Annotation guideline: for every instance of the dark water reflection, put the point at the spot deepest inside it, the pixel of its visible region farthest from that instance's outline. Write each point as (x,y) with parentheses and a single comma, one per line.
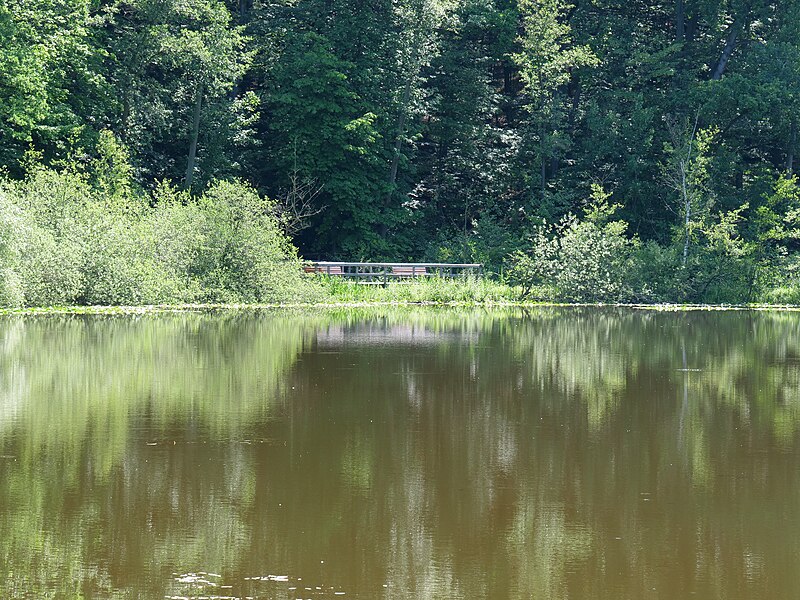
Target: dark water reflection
(553,453)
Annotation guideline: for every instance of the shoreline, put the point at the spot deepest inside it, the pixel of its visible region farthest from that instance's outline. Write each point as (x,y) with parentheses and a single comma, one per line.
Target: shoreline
(228,307)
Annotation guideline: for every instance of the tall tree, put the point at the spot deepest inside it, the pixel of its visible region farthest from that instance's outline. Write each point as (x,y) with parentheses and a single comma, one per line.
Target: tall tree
(318,127)
(547,59)
(463,191)
(174,63)
(53,97)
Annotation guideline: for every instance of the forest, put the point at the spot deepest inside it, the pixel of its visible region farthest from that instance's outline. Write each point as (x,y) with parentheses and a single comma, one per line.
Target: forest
(600,150)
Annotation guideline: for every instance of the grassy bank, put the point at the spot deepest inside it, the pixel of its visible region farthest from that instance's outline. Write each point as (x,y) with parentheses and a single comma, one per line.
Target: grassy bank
(390,299)
(470,289)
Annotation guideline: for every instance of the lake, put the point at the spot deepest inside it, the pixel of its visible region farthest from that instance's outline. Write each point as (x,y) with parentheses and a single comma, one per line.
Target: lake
(401,453)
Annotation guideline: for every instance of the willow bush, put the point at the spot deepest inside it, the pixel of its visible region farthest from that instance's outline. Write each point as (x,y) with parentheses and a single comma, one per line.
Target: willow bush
(12,230)
(65,240)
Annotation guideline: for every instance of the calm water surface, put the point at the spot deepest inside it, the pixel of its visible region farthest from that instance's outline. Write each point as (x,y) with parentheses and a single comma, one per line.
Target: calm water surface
(551,453)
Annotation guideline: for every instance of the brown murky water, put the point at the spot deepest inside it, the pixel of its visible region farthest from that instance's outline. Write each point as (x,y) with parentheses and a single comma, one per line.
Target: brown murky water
(552,453)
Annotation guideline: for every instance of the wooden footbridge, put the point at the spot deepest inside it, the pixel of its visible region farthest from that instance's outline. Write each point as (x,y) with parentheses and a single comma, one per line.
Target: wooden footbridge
(382,273)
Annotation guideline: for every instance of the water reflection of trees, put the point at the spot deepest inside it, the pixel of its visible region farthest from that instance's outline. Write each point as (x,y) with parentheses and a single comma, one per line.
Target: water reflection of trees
(78,395)
(549,453)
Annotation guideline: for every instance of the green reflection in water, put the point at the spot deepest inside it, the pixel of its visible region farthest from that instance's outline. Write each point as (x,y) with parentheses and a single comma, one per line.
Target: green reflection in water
(401,453)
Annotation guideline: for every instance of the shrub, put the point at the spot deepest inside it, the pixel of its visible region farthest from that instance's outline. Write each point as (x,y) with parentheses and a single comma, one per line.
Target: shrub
(574,260)
(127,271)
(721,267)
(244,255)
(11,293)
(63,241)
(655,273)
(11,225)
(52,271)
(51,249)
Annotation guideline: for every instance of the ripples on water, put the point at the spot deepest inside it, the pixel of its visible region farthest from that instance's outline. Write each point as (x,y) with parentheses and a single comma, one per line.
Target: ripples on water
(551,453)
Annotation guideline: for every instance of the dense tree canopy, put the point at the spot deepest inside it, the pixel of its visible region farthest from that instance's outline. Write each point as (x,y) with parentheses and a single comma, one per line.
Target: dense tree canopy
(425,129)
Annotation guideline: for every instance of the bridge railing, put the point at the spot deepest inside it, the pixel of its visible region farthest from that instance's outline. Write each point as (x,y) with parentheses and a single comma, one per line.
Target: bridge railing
(373,272)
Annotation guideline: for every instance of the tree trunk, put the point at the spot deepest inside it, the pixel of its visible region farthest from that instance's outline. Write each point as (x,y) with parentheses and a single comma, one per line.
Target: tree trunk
(573,110)
(790,152)
(398,145)
(691,27)
(245,6)
(193,139)
(687,212)
(465,247)
(730,45)
(126,114)
(543,175)
(680,16)
(554,116)
(401,128)
(685,165)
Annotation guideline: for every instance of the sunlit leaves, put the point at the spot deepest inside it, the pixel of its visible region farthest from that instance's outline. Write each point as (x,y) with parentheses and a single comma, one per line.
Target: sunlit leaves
(548,54)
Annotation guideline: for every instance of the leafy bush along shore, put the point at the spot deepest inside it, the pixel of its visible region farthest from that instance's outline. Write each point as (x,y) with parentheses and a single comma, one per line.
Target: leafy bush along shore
(73,239)
(714,258)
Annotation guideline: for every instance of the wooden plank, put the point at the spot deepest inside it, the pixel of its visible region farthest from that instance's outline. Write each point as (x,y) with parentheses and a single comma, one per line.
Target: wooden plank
(325,270)
(409,271)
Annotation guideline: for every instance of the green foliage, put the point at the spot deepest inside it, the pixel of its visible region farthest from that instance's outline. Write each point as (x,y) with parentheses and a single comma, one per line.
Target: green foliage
(579,260)
(655,273)
(320,130)
(52,272)
(774,228)
(782,285)
(112,169)
(23,90)
(720,268)
(547,53)
(49,79)
(65,241)
(11,225)
(244,255)
(419,125)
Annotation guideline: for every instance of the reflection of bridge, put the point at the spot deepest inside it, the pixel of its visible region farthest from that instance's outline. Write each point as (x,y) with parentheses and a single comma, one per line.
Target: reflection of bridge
(337,336)
(363,272)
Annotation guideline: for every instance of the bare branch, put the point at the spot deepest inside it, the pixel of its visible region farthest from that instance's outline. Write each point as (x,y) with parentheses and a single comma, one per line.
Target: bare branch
(296,206)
